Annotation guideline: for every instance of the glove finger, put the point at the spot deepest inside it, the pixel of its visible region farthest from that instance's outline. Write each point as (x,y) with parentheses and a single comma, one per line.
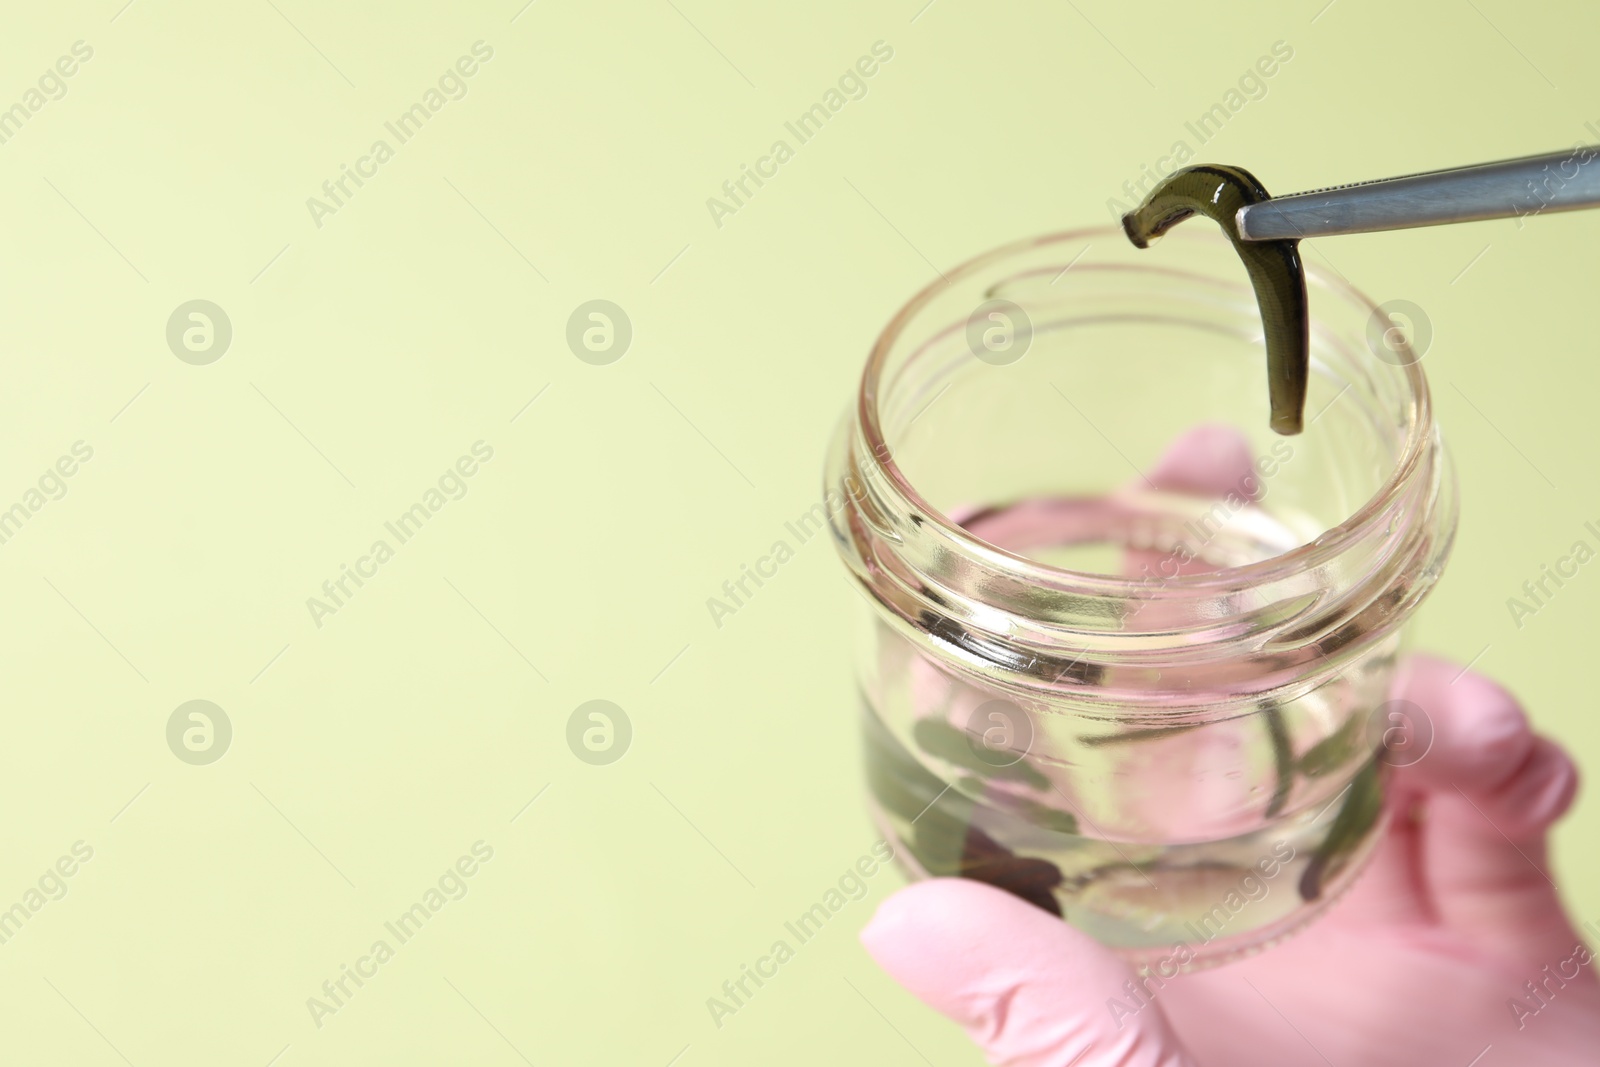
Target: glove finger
(1489,790)
(1028,989)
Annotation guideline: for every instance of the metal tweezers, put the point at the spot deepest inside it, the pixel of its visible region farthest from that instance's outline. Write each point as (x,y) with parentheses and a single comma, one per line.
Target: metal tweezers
(1532,185)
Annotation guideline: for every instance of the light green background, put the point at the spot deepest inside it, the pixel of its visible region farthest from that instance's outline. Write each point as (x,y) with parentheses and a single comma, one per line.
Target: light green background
(370,353)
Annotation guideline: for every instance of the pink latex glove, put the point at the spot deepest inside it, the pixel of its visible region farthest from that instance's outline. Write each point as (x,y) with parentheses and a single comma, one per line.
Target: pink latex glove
(1418,965)
(1424,962)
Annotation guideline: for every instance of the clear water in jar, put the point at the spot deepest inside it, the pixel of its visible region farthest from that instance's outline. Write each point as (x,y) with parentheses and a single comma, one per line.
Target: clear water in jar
(1214,835)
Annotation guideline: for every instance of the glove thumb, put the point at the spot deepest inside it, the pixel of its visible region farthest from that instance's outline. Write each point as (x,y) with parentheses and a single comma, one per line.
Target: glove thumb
(1029,990)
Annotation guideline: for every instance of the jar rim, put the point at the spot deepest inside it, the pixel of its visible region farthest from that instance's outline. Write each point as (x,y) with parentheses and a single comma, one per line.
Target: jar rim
(1331,543)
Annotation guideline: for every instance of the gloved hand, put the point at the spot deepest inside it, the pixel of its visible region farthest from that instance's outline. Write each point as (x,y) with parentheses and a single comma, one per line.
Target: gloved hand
(1452,948)
(1423,962)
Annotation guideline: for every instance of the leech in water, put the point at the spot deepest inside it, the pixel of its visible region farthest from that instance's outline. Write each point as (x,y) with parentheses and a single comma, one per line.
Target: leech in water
(1276,274)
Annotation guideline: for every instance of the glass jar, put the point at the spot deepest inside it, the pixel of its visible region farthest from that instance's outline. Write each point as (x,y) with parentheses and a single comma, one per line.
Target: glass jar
(1127,652)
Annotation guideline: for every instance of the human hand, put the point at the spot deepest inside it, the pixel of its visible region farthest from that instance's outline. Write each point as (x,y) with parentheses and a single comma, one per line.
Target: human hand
(1452,948)
(1421,963)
